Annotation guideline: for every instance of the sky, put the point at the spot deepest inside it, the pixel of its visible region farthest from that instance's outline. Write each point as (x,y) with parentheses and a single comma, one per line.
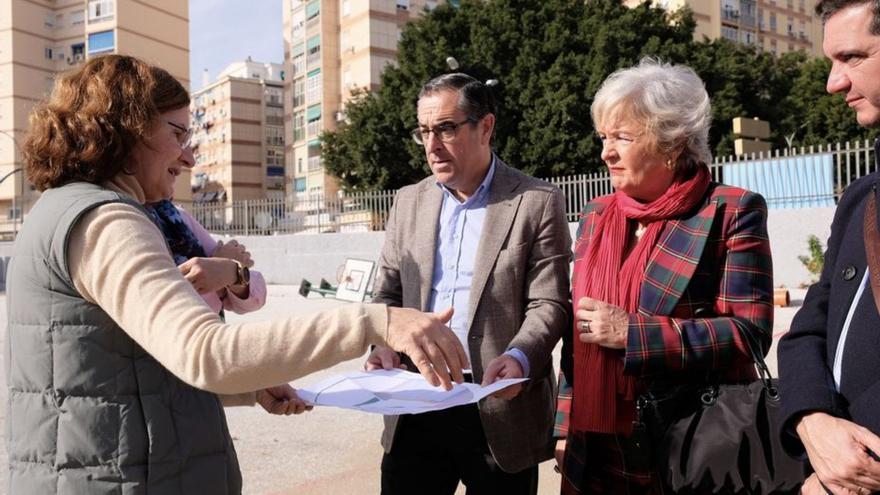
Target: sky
(225,31)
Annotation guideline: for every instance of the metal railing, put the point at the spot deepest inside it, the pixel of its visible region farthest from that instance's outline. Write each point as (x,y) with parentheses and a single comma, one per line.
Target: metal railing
(309,214)
(368,211)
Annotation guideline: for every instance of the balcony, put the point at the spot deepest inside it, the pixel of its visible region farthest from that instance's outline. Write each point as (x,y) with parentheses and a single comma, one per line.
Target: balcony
(729,15)
(313,128)
(313,58)
(315,163)
(299,134)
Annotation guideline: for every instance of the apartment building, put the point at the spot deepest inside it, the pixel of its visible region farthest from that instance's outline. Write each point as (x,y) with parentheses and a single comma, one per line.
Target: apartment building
(40,38)
(238,141)
(776,26)
(332,48)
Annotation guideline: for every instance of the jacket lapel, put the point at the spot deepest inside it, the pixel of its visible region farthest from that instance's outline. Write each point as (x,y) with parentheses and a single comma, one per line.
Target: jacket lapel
(500,213)
(674,260)
(428,203)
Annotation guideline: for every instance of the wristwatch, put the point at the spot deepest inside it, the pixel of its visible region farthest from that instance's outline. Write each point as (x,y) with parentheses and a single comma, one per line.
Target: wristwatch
(242,275)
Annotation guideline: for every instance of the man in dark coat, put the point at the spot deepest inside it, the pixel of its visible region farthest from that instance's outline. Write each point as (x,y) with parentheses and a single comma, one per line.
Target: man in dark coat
(829,363)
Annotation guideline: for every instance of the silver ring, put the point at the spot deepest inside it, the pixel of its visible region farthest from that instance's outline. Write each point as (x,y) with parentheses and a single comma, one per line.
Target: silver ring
(585,326)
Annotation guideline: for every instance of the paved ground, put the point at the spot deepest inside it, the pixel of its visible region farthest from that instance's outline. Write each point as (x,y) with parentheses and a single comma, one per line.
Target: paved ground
(326,451)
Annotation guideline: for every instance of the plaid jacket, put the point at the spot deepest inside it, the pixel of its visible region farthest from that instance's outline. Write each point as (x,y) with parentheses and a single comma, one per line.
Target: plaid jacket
(708,271)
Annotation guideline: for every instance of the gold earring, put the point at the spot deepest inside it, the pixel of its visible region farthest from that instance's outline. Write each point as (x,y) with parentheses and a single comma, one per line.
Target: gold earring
(670,165)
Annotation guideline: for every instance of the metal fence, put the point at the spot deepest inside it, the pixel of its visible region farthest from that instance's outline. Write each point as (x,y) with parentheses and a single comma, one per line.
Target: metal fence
(362,212)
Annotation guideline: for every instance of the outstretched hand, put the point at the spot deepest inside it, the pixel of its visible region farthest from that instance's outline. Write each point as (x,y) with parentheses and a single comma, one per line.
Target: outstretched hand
(431,345)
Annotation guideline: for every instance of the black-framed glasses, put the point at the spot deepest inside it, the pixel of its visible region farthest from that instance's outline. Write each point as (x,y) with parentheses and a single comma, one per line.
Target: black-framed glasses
(445,131)
(184,136)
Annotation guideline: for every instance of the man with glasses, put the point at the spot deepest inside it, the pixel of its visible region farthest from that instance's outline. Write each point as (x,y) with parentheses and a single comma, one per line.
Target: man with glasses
(493,244)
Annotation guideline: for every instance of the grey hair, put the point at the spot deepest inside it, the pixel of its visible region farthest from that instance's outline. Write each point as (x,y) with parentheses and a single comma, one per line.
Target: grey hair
(670,101)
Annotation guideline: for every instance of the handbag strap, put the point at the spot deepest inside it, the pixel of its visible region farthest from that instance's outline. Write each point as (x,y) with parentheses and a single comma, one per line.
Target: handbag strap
(872,243)
(758,358)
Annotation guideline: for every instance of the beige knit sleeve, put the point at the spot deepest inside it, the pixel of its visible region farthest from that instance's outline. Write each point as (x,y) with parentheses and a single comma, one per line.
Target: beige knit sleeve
(118,260)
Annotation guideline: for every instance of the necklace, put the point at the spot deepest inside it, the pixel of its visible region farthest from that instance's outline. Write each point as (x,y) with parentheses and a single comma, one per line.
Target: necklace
(640,229)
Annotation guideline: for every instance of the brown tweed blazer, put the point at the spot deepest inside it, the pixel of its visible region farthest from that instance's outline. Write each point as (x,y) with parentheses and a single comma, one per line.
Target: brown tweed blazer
(519,297)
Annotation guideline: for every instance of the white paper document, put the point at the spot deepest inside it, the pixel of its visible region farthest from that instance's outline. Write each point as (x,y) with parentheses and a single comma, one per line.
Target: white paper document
(394,392)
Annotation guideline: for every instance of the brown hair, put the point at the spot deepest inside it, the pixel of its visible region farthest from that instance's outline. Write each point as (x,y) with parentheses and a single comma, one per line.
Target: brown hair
(94,117)
(827,8)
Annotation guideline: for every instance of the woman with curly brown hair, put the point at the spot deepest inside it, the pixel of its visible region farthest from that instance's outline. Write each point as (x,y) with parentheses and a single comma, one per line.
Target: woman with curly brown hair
(117,369)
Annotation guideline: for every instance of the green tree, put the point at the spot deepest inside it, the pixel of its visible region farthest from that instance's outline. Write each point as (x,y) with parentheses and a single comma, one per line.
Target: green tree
(550,56)
(816,117)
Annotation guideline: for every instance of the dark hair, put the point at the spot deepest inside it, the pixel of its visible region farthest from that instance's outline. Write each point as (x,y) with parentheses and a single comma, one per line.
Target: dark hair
(94,117)
(827,8)
(475,98)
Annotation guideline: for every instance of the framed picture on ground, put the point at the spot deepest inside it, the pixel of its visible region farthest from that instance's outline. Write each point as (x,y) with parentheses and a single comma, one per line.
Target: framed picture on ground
(356,276)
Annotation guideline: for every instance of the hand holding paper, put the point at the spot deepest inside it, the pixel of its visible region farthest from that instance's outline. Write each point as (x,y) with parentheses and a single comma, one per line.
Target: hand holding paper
(395,392)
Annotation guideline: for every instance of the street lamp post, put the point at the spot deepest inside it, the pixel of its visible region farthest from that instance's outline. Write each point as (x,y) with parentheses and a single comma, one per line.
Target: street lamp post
(15,212)
(14,197)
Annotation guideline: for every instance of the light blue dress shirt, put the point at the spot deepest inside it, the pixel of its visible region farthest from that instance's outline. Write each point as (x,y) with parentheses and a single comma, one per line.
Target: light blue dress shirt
(461,227)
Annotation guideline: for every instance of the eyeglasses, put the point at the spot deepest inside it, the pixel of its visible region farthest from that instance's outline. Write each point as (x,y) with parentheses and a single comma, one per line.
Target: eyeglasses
(184,135)
(445,131)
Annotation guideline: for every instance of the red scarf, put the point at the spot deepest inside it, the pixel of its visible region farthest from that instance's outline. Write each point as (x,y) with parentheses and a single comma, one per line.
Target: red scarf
(603,396)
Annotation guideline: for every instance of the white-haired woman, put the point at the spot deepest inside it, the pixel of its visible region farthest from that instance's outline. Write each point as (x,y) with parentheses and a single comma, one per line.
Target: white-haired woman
(669,269)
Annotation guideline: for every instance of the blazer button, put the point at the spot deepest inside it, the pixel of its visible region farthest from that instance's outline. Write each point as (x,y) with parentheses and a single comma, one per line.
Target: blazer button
(849,272)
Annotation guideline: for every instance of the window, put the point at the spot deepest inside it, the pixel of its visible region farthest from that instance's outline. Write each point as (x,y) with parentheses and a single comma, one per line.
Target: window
(275,158)
(101,42)
(49,20)
(299,128)
(77,53)
(313,86)
(274,115)
(729,33)
(100,10)
(773,21)
(299,185)
(274,97)
(299,94)
(48,53)
(77,17)
(403,4)
(297,25)
(313,120)
(313,49)
(298,60)
(313,8)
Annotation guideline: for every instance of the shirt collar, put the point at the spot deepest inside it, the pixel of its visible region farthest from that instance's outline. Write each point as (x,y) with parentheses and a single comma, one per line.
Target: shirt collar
(481,191)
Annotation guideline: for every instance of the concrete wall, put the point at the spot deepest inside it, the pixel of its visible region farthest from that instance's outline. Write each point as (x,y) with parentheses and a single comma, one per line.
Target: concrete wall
(287,259)
(789,229)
